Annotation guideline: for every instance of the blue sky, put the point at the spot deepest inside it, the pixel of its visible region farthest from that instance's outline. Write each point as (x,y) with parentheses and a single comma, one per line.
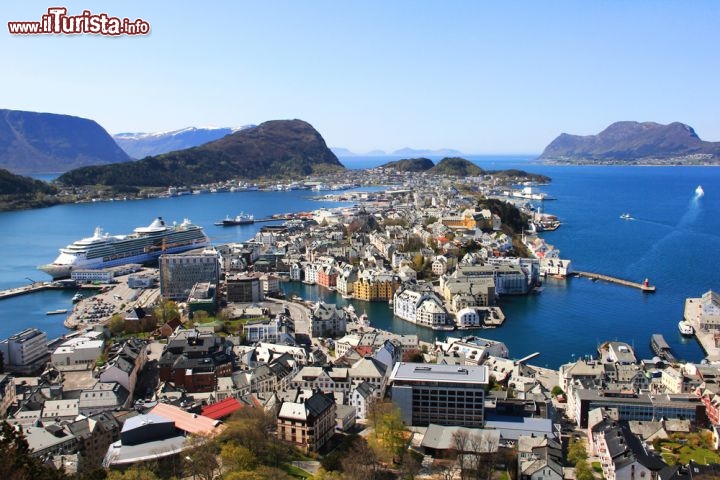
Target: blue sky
(480,77)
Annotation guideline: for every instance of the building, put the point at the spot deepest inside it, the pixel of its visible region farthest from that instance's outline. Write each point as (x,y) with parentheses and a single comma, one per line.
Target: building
(244,288)
(420,305)
(442,394)
(622,454)
(327,320)
(539,458)
(643,406)
(308,422)
(373,287)
(79,352)
(25,352)
(202,297)
(179,273)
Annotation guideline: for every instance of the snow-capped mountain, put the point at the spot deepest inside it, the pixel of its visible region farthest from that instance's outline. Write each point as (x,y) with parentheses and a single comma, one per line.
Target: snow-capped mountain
(142,144)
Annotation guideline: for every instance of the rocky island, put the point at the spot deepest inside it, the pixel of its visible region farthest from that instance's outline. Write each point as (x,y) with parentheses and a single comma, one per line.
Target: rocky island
(635,143)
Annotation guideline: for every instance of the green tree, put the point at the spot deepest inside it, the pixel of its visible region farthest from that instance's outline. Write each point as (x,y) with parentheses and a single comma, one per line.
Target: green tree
(17,463)
(116,325)
(576,451)
(237,458)
(135,472)
(165,311)
(556,391)
(583,471)
(201,459)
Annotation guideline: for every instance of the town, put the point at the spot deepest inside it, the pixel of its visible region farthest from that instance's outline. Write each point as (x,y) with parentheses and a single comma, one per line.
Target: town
(169,368)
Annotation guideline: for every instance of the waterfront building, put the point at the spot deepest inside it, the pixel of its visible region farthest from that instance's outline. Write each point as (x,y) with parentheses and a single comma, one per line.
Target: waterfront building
(308,422)
(419,304)
(327,320)
(244,288)
(704,312)
(270,284)
(180,272)
(311,271)
(468,318)
(327,276)
(346,280)
(442,394)
(375,286)
(25,352)
(461,293)
(474,349)
(296,272)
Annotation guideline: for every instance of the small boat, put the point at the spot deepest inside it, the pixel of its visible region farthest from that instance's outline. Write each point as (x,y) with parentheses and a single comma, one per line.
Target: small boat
(685,328)
(699,192)
(626,216)
(242,219)
(77,297)
(59,311)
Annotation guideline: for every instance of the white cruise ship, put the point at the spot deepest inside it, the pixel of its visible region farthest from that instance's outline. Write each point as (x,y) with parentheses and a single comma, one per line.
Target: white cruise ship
(144,245)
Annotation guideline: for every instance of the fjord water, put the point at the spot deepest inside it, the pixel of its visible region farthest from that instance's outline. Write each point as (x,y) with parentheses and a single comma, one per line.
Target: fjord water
(673,240)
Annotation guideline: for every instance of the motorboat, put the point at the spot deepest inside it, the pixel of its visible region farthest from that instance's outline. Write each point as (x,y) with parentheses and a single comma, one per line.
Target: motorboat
(626,216)
(685,328)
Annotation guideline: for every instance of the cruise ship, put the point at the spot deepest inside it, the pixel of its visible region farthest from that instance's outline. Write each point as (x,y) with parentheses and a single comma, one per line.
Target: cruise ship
(144,245)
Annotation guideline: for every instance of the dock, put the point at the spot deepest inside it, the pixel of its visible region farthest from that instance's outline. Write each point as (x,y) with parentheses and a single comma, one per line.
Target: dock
(40,286)
(644,286)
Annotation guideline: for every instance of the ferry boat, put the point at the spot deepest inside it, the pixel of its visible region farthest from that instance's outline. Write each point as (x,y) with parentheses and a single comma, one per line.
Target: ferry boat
(144,245)
(685,328)
(699,192)
(242,219)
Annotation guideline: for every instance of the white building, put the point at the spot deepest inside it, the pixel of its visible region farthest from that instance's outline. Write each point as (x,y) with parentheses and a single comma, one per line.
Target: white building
(25,351)
(468,317)
(80,352)
(420,305)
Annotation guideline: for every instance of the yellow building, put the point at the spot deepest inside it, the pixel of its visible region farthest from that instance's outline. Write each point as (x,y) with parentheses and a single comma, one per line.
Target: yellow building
(376,287)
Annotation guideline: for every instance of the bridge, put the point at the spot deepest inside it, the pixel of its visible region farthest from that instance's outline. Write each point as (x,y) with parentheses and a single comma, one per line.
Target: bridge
(644,286)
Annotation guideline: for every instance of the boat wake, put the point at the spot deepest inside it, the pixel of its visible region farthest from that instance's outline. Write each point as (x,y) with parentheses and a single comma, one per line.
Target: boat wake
(683,227)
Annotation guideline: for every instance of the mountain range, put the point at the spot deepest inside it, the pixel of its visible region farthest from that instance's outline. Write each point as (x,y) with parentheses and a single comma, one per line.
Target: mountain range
(141,145)
(278,148)
(635,143)
(32,142)
(405,152)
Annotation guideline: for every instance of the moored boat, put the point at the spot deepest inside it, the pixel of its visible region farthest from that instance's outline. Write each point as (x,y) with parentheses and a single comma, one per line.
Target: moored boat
(144,245)
(59,311)
(685,328)
(241,219)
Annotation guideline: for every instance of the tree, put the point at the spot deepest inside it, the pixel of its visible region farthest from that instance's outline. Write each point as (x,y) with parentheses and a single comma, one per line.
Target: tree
(201,459)
(583,471)
(116,325)
(17,464)
(165,311)
(556,391)
(237,457)
(576,451)
(361,463)
(135,472)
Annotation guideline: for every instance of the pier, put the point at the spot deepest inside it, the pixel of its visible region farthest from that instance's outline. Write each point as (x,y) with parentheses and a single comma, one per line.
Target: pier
(40,286)
(645,286)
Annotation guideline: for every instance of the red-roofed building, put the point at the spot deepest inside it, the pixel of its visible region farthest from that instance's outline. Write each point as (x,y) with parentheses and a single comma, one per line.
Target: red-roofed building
(222,409)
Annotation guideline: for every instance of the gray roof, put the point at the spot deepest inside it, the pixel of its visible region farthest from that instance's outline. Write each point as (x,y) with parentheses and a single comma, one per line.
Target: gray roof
(429,372)
(512,427)
(440,437)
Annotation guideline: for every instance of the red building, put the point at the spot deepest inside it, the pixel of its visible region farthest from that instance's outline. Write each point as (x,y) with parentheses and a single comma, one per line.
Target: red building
(327,277)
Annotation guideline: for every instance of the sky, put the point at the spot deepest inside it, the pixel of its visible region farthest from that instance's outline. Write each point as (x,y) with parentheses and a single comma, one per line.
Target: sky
(477,76)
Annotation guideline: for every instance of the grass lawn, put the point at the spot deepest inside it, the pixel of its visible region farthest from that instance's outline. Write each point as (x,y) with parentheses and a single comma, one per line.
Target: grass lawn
(677,454)
(297,472)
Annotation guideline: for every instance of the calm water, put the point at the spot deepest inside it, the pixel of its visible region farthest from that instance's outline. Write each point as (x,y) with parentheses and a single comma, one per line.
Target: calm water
(673,241)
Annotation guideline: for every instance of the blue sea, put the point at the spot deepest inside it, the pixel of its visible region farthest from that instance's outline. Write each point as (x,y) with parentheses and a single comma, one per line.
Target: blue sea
(672,240)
